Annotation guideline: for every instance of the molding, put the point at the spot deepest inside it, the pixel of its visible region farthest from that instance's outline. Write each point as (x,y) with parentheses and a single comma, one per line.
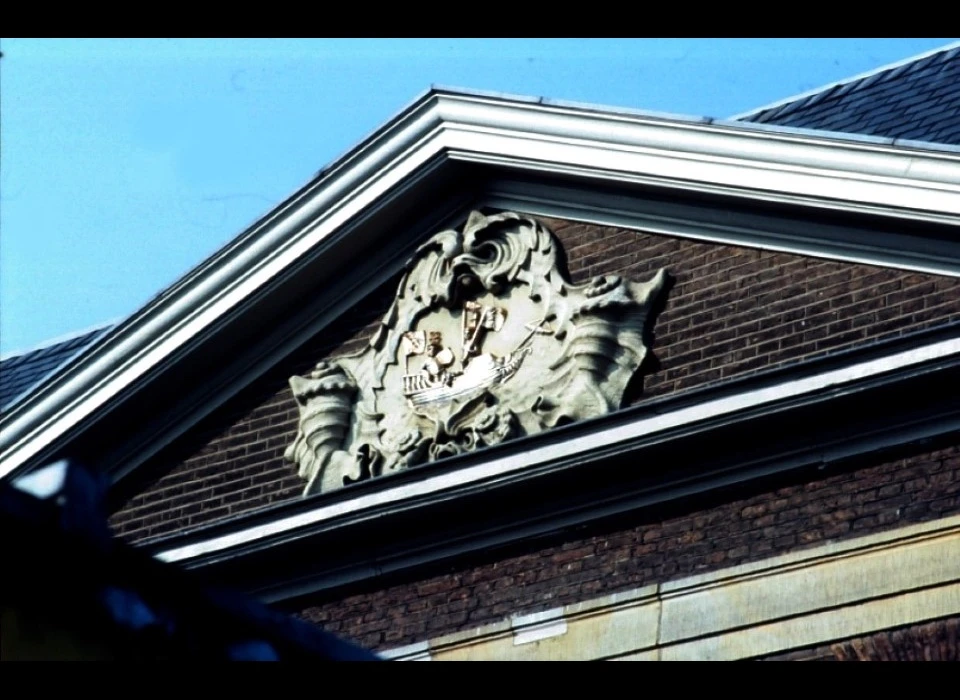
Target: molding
(411,652)
(427,139)
(535,627)
(712,223)
(815,596)
(582,484)
(823,171)
(596,442)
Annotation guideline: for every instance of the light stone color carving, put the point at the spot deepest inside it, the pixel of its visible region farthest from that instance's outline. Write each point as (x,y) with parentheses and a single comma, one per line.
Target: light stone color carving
(486,340)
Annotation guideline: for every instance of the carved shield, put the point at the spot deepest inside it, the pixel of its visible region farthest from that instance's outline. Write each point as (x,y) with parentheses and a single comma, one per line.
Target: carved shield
(485,340)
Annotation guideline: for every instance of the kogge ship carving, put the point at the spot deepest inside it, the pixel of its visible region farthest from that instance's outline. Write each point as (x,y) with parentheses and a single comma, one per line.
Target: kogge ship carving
(486,339)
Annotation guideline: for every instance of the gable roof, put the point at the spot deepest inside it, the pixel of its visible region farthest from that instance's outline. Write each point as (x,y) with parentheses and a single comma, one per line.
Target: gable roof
(916,99)
(448,151)
(21,373)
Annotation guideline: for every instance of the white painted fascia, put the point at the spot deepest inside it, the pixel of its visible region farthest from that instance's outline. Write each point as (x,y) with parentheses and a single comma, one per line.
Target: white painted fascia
(520,135)
(597,440)
(731,158)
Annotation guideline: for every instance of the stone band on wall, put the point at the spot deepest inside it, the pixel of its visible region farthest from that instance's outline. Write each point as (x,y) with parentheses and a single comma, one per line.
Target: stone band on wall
(826,593)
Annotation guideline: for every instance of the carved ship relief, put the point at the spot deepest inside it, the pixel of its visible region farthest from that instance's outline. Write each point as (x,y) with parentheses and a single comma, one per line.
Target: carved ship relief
(529,351)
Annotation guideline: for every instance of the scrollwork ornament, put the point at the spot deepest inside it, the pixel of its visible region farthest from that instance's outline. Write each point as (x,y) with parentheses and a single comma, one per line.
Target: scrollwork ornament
(486,340)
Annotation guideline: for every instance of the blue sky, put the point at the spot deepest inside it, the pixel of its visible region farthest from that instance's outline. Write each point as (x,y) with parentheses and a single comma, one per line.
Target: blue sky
(124,163)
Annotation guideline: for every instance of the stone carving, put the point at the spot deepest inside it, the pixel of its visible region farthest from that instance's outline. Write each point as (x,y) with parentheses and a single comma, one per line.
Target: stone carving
(485,340)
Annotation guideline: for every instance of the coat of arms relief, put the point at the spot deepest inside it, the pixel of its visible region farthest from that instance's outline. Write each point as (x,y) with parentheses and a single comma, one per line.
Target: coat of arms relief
(486,340)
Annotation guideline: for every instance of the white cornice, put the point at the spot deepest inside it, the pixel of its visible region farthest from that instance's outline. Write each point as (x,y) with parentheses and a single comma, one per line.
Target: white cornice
(518,136)
(819,170)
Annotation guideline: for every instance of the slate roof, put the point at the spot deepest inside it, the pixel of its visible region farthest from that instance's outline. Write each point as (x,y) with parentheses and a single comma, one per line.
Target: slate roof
(22,372)
(918,100)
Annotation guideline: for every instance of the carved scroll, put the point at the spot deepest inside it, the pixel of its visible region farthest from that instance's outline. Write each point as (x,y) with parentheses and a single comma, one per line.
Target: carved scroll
(485,340)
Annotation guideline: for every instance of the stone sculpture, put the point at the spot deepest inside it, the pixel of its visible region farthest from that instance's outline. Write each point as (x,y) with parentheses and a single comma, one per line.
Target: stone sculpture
(485,340)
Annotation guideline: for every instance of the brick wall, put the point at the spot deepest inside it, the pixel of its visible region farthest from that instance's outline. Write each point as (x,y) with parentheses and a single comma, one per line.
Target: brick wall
(732,311)
(232,462)
(931,641)
(915,488)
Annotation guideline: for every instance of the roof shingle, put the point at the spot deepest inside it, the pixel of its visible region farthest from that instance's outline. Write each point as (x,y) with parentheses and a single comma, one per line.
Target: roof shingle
(22,372)
(918,100)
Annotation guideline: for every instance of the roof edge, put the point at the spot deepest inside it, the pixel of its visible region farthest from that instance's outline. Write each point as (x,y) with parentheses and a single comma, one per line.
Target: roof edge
(571,104)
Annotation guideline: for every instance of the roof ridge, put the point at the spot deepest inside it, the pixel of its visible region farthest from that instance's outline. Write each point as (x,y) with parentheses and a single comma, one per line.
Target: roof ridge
(781,106)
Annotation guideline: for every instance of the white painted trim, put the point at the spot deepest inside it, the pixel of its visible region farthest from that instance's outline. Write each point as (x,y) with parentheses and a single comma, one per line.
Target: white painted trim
(419,651)
(538,626)
(604,215)
(825,171)
(12,403)
(644,426)
(134,355)
(719,237)
(877,185)
(846,81)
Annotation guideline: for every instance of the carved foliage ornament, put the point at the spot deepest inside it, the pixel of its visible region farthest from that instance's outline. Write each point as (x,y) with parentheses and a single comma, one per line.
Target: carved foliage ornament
(486,340)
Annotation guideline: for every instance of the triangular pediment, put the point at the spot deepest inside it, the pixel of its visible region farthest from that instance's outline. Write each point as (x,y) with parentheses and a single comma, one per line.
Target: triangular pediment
(597,217)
